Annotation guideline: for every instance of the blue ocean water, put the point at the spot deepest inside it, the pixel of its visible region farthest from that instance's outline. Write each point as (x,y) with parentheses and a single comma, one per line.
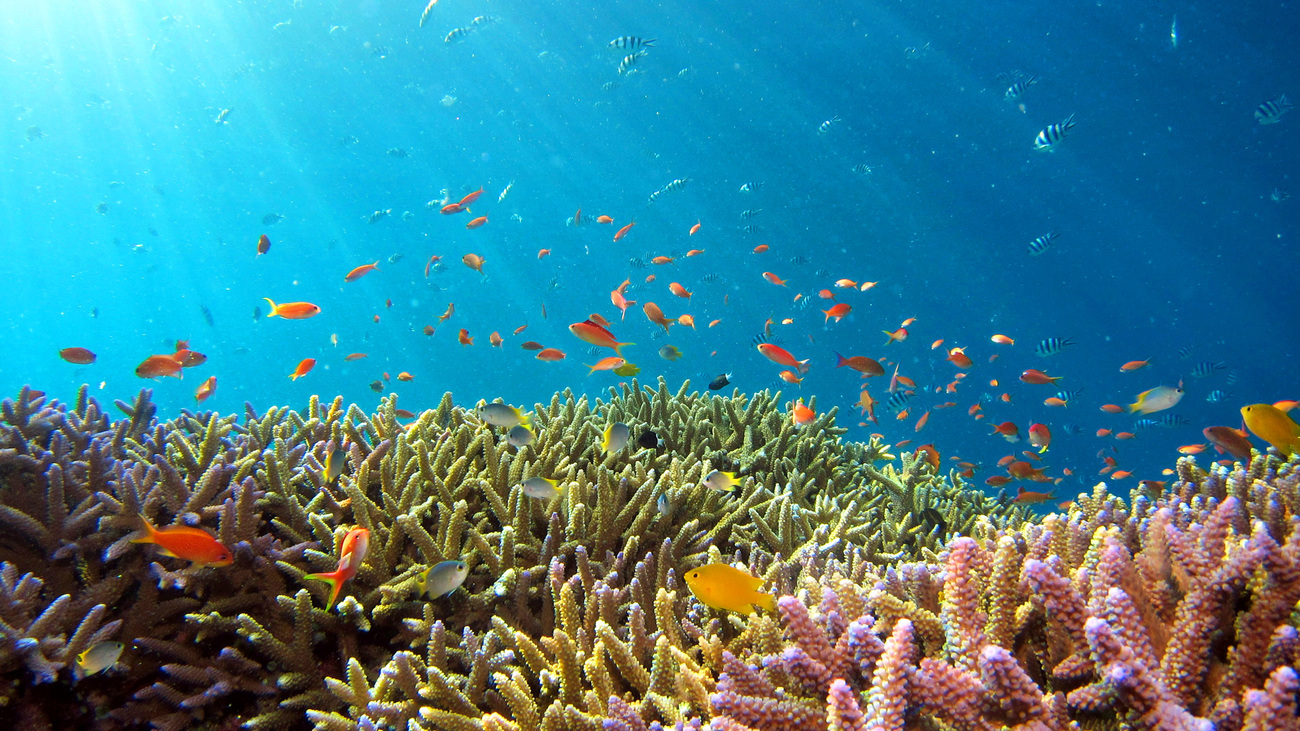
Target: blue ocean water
(147,142)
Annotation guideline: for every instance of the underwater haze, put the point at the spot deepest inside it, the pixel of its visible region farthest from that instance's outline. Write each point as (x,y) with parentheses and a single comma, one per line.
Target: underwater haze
(1102,183)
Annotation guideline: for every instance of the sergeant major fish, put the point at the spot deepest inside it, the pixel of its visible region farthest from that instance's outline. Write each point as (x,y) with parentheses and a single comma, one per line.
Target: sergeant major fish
(1050,135)
(1270,112)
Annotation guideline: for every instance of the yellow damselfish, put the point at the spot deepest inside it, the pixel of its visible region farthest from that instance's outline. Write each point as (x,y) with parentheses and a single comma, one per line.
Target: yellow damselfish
(1273,426)
(720,586)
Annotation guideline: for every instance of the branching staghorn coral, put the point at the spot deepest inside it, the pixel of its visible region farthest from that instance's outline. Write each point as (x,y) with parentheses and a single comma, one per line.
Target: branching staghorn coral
(1169,613)
(568,602)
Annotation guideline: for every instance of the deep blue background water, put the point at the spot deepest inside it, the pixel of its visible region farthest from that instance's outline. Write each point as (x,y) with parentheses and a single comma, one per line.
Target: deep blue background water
(1168,236)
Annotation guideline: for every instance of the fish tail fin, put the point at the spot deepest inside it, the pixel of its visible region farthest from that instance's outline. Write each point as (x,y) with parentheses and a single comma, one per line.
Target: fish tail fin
(840,361)
(618,347)
(149,531)
(333,579)
(272,313)
(887,333)
(803,365)
(766,601)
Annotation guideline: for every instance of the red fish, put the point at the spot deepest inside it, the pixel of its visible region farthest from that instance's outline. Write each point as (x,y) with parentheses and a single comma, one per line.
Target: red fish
(959,358)
(838,312)
(451,208)
(656,315)
(464,338)
(1227,439)
(469,199)
(475,223)
(679,290)
(78,356)
(474,261)
(589,332)
(191,544)
(1038,378)
(781,356)
(1040,436)
(352,552)
(623,231)
(769,276)
(1009,431)
(801,415)
(695,229)
(898,335)
(158,366)
(304,367)
(1029,497)
(860,363)
(205,390)
(292,310)
(550,354)
(360,272)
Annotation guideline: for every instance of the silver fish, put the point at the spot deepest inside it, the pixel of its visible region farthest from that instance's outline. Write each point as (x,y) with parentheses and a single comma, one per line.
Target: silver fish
(519,436)
(540,487)
(504,415)
(442,578)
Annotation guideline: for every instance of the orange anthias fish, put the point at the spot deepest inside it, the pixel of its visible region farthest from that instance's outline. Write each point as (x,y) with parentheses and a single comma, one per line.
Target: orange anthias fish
(623,231)
(662,260)
(769,276)
(205,390)
(451,208)
(604,219)
(360,272)
(469,199)
(304,367)
(550,354)
(451,310)
(292,310)
(1040,436)
(78,356)
(496,339)
(477,222)
(157,366)
(606,364)
(1029,497)
(720,586)
(800,414)
(1002,340)
(1026,471)
(1134,365)
(959,358)
(898,335)
(1008,430)
(838,312)
(679,290)
(656,315)
(1039,378)
(621,302)
(352,552)
(191,544)
(429,266)
(354,356)
(781,356)
(474,261)
(542,253)
(860,363)
(1227,439)
(464,338)
(696,228)
(694,252)
(589,332)
(868,405)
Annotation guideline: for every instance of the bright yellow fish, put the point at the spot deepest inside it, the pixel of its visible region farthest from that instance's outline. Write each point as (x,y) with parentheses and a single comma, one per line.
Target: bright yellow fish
(720,586)
(1273,426)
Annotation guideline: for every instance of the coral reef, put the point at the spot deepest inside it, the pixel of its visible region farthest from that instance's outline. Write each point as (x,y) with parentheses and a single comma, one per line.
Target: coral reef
(1171,612)
(573,613)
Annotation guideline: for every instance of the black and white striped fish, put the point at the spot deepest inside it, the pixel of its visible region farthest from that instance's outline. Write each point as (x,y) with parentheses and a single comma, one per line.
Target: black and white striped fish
(1053,133)
(457,34)
(1016,90)
(629,61)
(862,168)
(1166,421)
(1042,243)
(1068,395)
(825,127)
(586,219)
(1270,112)
(1206,368)
(1216,396)
(898,401)
(1231,378)
(750,212)
(1184,353)
(654,196)
(676,185)
(752,229)
(750,187)
(483,20)
(1051,346)
(632,42)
